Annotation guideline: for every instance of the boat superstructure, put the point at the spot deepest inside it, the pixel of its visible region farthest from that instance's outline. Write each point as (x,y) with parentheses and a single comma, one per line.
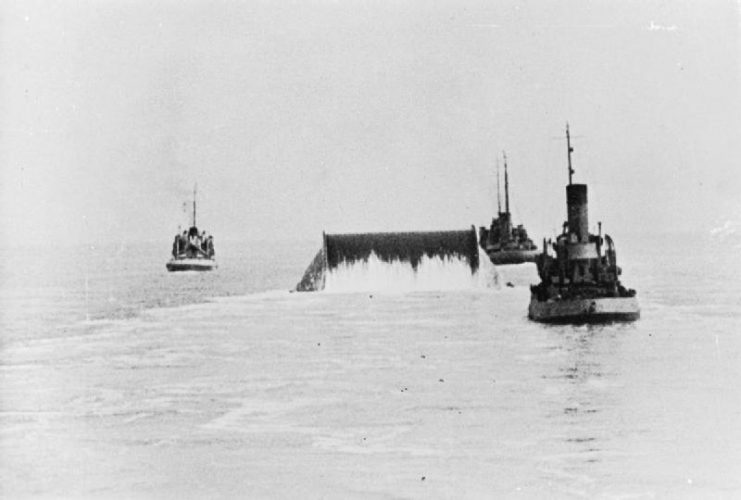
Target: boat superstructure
(192,250)
(580,283)
(503,242)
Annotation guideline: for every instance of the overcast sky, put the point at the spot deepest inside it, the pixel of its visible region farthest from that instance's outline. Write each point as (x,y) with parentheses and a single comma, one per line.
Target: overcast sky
(298,117)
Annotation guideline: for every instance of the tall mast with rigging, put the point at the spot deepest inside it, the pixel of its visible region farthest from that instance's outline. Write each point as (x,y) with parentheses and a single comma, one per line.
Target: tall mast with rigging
(499,197)
(195,186)
(506,184)
(569,150)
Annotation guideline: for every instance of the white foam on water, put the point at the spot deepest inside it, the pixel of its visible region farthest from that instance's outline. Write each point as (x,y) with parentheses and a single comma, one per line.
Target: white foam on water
(519,275)
(432,273)
(268,294)
(487,274)
(259,395)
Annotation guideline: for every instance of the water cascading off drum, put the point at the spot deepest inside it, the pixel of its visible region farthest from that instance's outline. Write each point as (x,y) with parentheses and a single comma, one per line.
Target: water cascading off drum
(428,260)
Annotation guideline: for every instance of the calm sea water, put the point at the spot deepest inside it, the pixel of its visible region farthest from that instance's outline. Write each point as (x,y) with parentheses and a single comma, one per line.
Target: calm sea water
(119,380)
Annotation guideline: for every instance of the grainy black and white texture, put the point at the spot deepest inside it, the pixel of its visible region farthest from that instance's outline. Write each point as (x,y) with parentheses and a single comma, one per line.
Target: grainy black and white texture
(120,380)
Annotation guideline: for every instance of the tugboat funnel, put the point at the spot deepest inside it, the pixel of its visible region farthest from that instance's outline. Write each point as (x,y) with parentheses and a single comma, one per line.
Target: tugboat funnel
(578,220)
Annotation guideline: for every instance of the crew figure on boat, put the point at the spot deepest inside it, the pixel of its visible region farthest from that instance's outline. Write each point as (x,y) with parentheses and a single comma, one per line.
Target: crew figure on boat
(190,244)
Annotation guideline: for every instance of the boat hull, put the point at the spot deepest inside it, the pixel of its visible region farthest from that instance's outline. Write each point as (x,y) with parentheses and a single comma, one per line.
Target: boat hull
(191,265)
(503,257)
(579,311)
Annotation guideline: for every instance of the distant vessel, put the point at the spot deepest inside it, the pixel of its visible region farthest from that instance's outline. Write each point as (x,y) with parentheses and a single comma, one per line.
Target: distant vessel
(580,284)
(192,250)
(503,243)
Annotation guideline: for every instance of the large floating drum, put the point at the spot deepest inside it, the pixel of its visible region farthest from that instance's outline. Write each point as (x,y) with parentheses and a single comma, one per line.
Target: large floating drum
(412,249)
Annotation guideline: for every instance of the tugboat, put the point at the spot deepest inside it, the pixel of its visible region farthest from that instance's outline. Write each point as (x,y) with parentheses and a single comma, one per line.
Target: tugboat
(503,243)
(192,250)
(580,283)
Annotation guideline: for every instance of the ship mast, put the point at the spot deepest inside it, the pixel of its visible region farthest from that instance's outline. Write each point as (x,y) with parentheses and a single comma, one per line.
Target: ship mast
(506,184)
(499,198)
(569,150)
(194,204)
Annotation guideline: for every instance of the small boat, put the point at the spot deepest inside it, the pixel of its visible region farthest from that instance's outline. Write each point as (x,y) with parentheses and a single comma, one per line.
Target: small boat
(503,242)
(192,250)
(580,283)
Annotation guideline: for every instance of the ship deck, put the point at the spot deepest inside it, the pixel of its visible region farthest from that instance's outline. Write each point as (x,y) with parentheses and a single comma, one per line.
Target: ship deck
(191,265)
(582,311)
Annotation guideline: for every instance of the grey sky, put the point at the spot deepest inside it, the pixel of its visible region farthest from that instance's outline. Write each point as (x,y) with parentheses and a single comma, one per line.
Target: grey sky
(295,117)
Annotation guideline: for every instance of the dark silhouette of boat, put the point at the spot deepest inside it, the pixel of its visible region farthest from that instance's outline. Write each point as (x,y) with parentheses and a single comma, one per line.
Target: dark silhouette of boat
(503,242)
(192,250)
(580,284)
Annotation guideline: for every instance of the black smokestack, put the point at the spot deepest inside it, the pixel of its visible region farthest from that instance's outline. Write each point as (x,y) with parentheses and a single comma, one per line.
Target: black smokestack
(576,201)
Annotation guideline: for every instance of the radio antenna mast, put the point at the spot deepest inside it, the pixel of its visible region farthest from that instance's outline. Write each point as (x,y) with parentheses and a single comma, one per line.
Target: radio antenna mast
(195,186)
(570,150)
(499,197)
(506,183)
